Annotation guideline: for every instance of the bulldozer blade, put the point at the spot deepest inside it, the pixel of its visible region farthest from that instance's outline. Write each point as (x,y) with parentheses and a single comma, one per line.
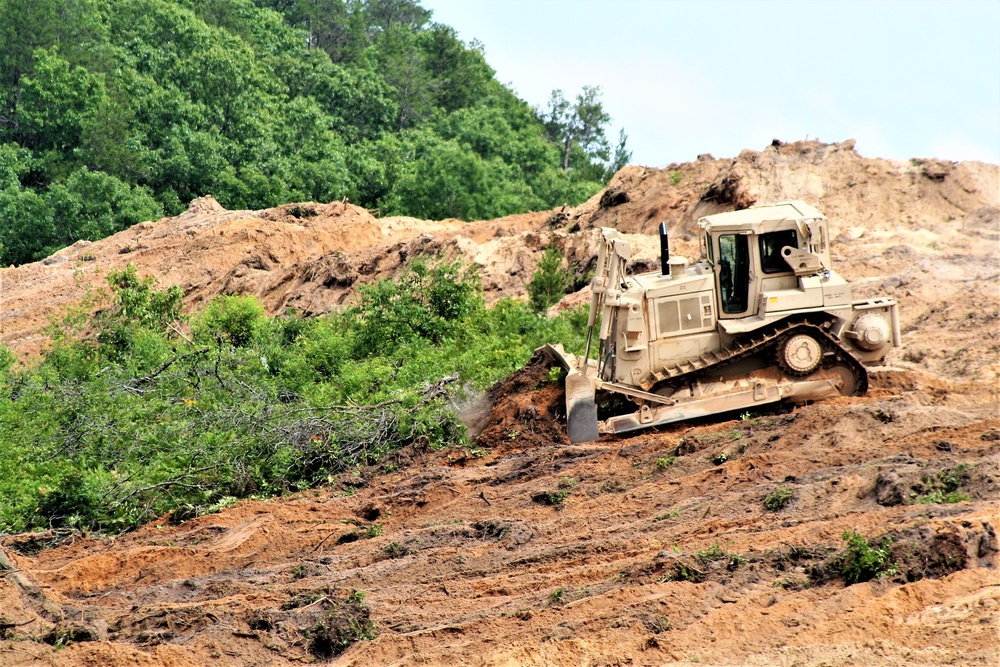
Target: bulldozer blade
(581,409)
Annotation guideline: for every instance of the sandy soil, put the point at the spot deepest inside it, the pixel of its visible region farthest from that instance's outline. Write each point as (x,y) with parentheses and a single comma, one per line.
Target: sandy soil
(526,550)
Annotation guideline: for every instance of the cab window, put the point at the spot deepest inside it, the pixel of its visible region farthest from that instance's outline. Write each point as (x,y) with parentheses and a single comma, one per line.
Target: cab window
(734,272)
(771,244)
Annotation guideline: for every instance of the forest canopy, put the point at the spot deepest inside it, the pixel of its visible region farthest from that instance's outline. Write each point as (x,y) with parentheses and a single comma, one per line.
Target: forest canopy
(112,113)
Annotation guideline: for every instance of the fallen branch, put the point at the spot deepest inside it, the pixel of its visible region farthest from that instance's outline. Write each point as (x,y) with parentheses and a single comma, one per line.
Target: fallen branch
(7,567)
(139,382)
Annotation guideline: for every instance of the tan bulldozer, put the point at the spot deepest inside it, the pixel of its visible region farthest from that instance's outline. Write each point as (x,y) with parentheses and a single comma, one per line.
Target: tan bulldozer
(761,317)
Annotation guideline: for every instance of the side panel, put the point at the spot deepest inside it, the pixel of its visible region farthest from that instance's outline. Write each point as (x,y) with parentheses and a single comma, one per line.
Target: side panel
(669,352)
(682,315)
(808,294)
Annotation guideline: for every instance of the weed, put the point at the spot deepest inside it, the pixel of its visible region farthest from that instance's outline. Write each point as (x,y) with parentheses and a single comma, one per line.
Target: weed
(676,177)
(665,462)
(395,550)
(713,553)
(374,530)
(778,498)
(338,629)
(612,486)
(556,498)
(356,597)
(672,514)
(792,583)
(940,496)
(721,458)
(862,561)
(683,572)
(656,623)
(298,572)
(556,596)
(748,416)
(945,488)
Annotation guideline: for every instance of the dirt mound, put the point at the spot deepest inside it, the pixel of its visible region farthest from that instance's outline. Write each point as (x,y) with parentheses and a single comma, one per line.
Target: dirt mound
(528,406)
(712,542)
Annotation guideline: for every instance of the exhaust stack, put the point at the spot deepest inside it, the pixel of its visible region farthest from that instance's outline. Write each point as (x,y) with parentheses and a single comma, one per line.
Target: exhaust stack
(664,250)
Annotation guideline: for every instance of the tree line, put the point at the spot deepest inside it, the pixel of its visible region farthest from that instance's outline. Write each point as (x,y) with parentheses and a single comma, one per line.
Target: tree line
(115,112)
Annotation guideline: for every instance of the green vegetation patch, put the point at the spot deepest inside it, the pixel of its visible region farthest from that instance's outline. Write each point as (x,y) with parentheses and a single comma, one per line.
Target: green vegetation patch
(778,499)
(138,411)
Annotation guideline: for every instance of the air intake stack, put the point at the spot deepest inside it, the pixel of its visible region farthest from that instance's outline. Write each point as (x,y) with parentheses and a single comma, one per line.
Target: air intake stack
(664,250)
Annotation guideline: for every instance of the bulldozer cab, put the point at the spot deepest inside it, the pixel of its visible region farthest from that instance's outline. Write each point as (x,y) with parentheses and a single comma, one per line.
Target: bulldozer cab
(755,250)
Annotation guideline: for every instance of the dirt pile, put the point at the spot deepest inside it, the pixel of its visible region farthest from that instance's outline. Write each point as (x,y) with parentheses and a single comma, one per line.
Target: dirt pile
(717,543)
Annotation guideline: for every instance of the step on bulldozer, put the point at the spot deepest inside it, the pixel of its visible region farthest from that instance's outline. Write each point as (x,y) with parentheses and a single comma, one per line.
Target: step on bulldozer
(761,317)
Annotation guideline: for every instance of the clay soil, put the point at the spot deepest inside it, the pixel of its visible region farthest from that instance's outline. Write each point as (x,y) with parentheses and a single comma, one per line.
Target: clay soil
(655,549)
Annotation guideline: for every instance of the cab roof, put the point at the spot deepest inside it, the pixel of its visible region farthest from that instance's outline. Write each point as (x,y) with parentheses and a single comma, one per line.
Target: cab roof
(756,215)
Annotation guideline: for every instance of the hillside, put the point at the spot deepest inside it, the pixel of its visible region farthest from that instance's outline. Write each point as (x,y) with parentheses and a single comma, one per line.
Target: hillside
(653,549)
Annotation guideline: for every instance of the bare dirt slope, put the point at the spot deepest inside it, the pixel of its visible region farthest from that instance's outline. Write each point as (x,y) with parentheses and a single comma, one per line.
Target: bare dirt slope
(651,550)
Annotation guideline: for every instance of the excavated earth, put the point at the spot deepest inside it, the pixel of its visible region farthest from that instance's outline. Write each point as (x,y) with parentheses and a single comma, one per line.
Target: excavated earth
(655,549)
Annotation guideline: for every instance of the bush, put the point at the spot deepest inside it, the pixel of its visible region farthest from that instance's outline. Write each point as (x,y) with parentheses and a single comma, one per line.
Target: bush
(426,303)
(136,307)
(862,561)
(778,499)
(236,320)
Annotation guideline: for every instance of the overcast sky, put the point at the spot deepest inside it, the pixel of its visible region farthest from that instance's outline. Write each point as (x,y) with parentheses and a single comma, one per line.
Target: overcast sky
(904,78)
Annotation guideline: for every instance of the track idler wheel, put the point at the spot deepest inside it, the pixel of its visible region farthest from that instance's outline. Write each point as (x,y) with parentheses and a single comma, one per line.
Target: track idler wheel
(800,354)
(850,385)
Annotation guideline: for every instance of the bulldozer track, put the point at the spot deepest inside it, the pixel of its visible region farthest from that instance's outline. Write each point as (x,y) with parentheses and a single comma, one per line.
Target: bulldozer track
(753,346)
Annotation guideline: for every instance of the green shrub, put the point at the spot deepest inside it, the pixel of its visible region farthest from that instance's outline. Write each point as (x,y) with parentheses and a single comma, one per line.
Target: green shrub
(426,303)
(944,487)
(236,320)
(778,499)
(7,358)
(665,462)
(862,561)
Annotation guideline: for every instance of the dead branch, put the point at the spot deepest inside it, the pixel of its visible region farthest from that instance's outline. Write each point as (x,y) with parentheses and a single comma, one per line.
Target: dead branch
(170,483)
(135,383)
(7,567)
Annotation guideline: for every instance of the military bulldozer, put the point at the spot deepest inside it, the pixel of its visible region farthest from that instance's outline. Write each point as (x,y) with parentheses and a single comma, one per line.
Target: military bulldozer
(761,317)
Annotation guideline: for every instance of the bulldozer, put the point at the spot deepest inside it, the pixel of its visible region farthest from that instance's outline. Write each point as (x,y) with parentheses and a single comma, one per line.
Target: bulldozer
(760,318)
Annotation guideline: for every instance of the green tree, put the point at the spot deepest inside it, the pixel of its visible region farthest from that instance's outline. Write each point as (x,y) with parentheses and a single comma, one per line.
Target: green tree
(550,281)
(577,125)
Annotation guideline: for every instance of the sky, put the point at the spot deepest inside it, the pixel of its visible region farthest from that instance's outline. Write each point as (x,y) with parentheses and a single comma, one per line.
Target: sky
(904,79)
